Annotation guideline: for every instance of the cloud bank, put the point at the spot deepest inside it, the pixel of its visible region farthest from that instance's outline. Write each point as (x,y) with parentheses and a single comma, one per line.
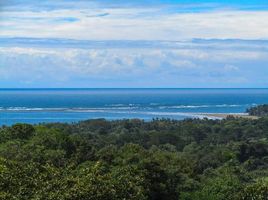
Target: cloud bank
(196,63)
(92,20)
(143,43)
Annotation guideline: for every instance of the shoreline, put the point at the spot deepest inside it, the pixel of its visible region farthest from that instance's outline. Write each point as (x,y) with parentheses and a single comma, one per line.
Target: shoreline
(225,115)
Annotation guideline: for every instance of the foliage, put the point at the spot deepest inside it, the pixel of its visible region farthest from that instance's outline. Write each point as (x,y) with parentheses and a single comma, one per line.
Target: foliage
(132,159)
(260,110)
(256,191)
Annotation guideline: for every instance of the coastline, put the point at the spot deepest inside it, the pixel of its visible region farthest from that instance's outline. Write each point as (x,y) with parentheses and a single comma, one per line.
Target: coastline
(225,115)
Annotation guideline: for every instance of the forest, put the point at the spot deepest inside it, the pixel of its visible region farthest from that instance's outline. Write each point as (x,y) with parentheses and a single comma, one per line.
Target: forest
(261,110)
(136,160)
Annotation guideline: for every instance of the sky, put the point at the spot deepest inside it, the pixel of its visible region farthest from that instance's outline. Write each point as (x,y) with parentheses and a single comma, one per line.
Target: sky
(136,44)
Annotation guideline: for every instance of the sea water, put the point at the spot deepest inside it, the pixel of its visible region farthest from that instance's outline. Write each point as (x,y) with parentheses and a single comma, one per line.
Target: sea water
(72,105)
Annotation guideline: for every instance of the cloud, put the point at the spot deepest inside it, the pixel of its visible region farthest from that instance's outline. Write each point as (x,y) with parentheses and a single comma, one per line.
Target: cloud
(99,15)
(200,63)
(95,21)
(134,43)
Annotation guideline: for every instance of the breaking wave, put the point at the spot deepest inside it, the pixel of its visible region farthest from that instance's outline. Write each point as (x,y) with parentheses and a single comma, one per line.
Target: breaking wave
(121,107)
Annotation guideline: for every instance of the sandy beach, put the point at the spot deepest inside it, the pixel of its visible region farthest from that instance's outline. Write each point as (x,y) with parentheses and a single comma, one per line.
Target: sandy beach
(225,115)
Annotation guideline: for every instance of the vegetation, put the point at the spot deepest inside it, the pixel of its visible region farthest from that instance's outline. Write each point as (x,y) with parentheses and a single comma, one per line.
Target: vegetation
(261,110)
(132,159)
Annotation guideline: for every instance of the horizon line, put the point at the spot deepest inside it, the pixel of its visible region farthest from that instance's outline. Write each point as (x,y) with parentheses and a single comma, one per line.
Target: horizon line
(85,88)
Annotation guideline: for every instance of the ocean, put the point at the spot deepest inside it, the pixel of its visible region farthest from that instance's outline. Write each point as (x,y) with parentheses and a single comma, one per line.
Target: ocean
(72,105)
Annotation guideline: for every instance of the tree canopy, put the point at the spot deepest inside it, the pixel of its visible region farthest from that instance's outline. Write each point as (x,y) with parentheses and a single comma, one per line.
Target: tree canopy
(260,110)
(133,159)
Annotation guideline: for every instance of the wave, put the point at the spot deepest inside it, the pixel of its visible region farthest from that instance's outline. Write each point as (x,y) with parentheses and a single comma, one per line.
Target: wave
(120,107)
(103,110)
(31,109)
(110,113)
(203,106)
(64,109)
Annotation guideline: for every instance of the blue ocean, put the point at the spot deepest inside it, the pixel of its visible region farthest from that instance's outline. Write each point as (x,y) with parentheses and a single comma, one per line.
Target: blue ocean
(72,105)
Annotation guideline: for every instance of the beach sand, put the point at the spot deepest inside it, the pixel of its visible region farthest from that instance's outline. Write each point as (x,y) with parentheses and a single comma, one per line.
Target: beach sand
(225,115)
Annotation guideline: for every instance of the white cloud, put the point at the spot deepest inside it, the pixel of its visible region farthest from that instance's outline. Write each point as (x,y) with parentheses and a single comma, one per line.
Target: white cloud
(190,62)
(230,68)
(135,24)
(182,62)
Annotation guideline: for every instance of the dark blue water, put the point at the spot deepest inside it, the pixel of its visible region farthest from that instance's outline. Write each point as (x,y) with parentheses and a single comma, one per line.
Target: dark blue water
(70,105)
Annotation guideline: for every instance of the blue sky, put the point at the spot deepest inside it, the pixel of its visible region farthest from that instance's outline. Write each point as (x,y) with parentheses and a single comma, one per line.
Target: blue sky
(141,43)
